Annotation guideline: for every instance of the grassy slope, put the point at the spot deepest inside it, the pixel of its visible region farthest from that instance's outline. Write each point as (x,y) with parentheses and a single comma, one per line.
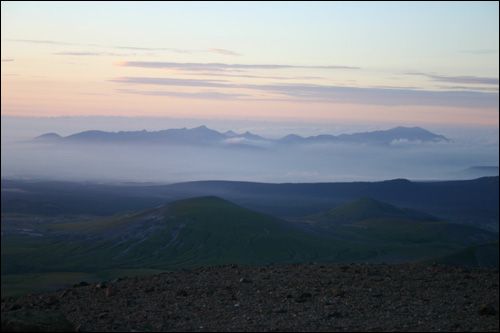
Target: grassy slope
(196,232)
(485,254)
(206,231)
(366,208)
(211,231)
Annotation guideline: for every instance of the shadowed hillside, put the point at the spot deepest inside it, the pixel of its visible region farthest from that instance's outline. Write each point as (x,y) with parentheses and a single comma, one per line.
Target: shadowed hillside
(485,254)
(473,201)
(366,208)
(206,231)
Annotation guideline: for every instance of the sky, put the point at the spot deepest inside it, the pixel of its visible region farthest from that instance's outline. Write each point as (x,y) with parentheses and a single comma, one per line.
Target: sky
(422,63)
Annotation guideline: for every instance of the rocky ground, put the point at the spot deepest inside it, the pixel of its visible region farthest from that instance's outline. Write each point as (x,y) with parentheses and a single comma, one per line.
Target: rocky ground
(297,297)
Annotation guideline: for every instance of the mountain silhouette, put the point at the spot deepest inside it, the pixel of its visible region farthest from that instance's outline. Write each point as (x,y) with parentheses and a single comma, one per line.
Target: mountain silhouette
(202,136)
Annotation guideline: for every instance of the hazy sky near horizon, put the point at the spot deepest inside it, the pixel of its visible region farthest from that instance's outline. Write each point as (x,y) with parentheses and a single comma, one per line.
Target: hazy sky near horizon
(392,62)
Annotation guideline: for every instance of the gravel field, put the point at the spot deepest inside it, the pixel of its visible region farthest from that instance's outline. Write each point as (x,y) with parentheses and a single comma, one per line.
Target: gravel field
(295,297)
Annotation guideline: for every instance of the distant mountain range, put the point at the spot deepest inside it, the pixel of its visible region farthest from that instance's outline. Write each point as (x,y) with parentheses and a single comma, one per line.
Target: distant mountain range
(204,136)
(470,201)
(479,171)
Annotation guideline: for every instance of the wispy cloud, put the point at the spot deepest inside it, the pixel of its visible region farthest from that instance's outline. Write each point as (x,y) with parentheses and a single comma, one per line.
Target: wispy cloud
(313,93)
(173,82)
(91,94)
(90,54)
(468,88)
(152,49)
(51,42)
(257,76)
(381,96)
(34,41)
(218,66)
(124,47)
(465,79)
(460,79)
(196,95)
(224,52)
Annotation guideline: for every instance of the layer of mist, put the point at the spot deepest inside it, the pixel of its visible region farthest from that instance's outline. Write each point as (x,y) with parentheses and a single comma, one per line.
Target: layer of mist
(261,162)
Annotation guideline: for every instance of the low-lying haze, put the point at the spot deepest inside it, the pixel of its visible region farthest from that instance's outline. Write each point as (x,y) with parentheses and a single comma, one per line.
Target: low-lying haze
(21,157)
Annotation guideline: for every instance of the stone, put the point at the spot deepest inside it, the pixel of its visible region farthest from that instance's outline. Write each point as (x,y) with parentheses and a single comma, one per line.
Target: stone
(81,284)
(110,292)
(305,295)
(101,285)
(36,321)
(51,300)
(486,310)
(335,314)
(181,292)
(337,292)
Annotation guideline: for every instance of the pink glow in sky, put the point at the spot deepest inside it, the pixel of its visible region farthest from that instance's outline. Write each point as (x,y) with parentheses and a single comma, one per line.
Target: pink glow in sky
(421,62)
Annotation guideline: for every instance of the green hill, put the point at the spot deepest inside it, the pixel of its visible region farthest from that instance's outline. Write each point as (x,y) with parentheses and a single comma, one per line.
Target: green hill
(207,231)
(485,255)
(366,208)
(376,222)
(188,233)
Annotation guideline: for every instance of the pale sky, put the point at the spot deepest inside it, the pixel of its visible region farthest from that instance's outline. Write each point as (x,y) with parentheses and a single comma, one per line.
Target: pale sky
(406,63)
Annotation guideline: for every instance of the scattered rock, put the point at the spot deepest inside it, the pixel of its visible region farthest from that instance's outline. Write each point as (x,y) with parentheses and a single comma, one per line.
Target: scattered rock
(245,280)
(103,315)
(51,300)
(111,291)
(335,314)
(36,321)
(149,289)
(101,285)
(486,310)
(15,306)
(303,297)
(219,299)
(131,302)
(80,284)
(337,292)
(181,292)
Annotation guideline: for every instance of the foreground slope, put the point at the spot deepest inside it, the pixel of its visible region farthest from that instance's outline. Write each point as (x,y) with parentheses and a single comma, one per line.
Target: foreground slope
(287,298)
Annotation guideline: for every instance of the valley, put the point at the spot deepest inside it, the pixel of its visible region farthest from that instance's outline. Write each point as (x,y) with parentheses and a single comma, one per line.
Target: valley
(62,237)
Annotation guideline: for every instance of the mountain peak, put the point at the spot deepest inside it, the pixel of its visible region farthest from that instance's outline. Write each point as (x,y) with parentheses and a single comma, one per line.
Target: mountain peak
(231,134)
(48,137)
(201,128)
(366,208)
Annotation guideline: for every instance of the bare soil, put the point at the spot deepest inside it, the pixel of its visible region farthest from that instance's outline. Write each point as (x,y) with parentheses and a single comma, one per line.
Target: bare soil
(296,297)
